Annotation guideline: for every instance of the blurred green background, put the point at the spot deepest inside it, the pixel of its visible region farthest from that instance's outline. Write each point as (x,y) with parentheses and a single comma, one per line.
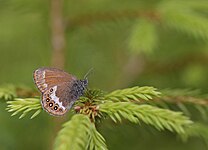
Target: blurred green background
(156,43)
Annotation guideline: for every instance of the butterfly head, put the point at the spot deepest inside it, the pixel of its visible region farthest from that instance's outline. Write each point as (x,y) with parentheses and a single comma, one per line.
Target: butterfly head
(84,83)
(85,80)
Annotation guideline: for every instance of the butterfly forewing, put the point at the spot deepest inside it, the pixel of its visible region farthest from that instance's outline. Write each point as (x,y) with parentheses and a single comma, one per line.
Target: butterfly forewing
(55,86)
(48,77)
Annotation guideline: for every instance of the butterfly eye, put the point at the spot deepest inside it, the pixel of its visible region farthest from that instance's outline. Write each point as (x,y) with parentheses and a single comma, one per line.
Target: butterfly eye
(55,107)
(85,82)
(50,104)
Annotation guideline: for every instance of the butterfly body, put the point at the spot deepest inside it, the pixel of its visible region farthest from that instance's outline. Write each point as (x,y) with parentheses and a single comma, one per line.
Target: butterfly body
(59,89)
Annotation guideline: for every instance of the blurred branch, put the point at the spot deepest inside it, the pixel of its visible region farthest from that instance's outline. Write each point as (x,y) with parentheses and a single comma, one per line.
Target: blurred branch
(196,130)
(87,19)
(58,38)
(173,66)
(58,47)
(184,99)
(172,14)
(10,91)
(7,92)
(185,18)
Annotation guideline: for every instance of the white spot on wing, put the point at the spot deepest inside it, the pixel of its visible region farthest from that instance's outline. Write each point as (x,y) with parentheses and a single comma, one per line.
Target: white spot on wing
(55,98)
(44,85)
(43,74)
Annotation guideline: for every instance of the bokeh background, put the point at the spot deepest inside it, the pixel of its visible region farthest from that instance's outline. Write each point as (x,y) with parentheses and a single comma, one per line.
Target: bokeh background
(136,42)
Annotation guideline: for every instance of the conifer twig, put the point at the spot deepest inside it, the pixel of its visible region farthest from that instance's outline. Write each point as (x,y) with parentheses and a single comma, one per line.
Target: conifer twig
(196,130)
(80,131)
(183,96)
(134,93)
(25,106)
(159,118)
(183,99)
(183,18)
(78,134)
(7,92)
(97,141)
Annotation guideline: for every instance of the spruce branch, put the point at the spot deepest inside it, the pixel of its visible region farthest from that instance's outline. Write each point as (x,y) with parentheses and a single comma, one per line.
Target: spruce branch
(74,135)
(186,96)
(183,18)
(193,24)
(10,91)
(159,118)
(24,106)
(133,94)
(113,16)
(178,4)
(78,134)
(7,92)
(178,92)
(95,105)
(196,130)
(182,98)
(186,99)
(97,142)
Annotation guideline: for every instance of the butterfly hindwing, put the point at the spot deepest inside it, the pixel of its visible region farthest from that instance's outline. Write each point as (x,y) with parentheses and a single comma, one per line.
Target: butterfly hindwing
(56,100)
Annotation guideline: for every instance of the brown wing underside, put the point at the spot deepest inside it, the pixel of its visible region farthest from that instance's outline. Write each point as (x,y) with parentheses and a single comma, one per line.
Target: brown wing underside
(55,85)
(45,78)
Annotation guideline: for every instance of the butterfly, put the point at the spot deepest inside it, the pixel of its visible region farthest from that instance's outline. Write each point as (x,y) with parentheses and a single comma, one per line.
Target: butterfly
(59,89)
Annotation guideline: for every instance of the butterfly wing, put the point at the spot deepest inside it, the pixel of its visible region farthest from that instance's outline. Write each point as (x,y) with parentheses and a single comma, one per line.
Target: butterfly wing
(55,86)
(46,78)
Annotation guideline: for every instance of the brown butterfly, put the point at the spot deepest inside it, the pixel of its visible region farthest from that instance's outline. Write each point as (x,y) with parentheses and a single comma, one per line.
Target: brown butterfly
(59,89)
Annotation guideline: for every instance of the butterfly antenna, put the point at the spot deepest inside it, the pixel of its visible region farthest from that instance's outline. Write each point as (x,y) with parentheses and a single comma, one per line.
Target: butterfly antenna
(87,74)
